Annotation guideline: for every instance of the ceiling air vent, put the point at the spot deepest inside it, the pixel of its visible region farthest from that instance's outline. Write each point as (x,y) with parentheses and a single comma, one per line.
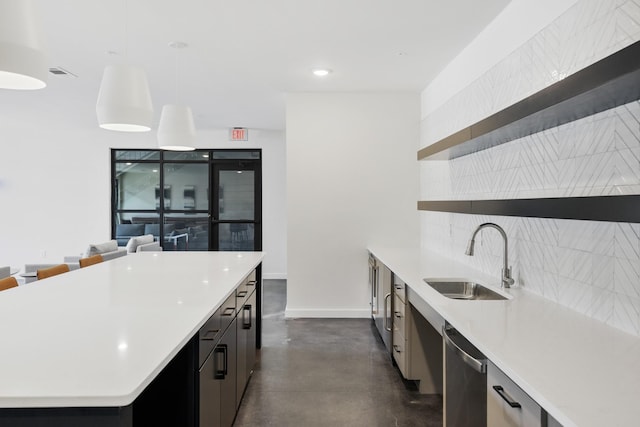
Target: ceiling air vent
(59,71)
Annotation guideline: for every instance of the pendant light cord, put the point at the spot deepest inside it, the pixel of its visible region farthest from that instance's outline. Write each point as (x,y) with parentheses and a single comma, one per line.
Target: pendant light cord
(175,75)
(126,29)
(177,46)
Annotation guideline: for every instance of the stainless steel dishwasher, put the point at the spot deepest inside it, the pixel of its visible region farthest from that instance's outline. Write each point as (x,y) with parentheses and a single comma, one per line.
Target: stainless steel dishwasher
(465,400)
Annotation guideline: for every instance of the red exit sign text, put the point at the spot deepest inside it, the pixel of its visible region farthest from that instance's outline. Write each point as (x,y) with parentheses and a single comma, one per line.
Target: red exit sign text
(239,134)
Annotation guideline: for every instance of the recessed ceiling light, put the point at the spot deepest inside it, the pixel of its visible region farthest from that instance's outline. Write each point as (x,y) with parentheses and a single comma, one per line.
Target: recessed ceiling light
(321,72)
(178,45)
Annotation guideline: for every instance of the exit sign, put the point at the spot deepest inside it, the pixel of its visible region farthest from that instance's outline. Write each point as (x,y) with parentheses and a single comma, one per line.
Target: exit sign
(239,134)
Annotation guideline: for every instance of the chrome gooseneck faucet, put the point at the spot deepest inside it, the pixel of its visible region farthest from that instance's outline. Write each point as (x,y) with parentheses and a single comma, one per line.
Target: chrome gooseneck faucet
(507,280)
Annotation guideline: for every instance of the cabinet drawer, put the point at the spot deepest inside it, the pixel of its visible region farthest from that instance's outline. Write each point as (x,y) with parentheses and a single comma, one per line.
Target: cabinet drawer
(213,329)
(208,335)
(227,312)
(508,404)
(244,291)
(251,279)
(399,287)
(399,317)
(251,282)
(242,294)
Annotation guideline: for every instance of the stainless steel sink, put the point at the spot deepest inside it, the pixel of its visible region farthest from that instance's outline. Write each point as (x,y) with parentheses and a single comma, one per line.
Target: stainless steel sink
(464,290)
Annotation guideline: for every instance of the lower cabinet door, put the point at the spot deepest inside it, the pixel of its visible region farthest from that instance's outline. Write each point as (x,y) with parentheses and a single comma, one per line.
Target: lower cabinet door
(226,372)
(252,351)
(507,404)
(400,354)
(209,397)
(246,330)
(241,352)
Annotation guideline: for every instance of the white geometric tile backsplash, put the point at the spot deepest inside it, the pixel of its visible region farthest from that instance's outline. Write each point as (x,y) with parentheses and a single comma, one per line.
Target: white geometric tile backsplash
(592,267)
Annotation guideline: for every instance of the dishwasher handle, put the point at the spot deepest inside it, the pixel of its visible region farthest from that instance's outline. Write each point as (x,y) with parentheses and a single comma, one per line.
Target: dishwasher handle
(479,365)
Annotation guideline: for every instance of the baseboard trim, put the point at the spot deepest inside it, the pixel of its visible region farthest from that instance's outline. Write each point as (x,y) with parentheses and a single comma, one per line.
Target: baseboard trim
(327,313)
(274,276)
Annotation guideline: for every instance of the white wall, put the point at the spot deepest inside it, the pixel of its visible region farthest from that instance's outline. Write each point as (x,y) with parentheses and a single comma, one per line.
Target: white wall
(351,181)
(55,189)
(590,267)
(517,23)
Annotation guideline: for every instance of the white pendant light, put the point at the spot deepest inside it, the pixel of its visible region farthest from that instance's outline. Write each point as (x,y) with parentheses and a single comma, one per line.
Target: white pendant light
(22,63)
(124,101)
(176,130)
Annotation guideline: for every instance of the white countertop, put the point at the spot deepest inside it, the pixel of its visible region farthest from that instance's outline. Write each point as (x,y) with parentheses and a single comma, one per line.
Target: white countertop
(98,336)
(581,371)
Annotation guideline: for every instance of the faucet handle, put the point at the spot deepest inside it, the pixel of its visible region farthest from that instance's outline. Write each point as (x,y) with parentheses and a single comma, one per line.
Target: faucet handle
(507,280)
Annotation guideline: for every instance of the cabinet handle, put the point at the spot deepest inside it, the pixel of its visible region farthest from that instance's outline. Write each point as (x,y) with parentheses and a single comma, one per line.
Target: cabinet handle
(251,282)
(242,294)
(207,335)
(399,287)
(386,298)
(397,348)
(245,309)
(220,374)
(375,282)
(398,314)
(503,394)
(229,311)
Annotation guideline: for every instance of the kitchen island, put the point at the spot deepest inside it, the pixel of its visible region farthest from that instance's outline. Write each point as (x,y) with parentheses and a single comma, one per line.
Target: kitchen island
(581,371)
(114,344)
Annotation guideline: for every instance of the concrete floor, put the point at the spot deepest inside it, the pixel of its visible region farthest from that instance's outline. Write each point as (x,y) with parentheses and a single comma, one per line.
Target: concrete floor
(327,372)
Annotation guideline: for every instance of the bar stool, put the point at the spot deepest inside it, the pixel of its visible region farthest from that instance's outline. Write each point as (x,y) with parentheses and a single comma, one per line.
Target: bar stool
(94,259)
(43,273)
(8,283)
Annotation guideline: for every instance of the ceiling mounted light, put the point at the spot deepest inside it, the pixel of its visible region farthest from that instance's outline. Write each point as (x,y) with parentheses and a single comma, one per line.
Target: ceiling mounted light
(321,72)
(176,131)
(124,101)
(22,63)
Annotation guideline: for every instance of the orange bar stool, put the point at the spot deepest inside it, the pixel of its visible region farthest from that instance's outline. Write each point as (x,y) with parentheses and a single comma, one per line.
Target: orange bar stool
(86,262)
(52,271)
(8,283)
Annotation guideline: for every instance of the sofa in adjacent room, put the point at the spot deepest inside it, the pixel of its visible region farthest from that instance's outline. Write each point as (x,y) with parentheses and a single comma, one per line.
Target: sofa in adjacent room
(143,243)
(108,250)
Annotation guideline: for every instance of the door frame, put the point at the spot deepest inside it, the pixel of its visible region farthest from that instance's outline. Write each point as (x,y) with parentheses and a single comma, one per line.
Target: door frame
(218,165)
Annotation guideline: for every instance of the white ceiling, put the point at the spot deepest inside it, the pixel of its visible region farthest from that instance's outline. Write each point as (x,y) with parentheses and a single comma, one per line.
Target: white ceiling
(243,55)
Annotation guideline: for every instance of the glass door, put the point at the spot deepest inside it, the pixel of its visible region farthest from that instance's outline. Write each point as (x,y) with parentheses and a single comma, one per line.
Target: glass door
(237,205)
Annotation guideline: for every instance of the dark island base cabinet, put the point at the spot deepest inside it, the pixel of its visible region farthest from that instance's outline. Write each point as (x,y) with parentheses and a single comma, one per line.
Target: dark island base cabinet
(67,417)
(224,375)
(199,387)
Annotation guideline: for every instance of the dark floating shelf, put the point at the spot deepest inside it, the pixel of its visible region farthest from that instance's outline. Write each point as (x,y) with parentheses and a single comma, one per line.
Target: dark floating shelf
(599,208)
(608,83)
